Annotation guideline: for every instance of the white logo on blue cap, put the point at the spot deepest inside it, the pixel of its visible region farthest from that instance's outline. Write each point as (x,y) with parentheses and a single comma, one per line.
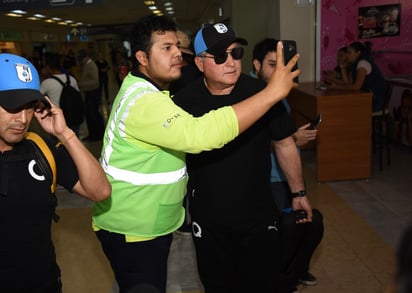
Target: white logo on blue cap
(220,28)
(23,72)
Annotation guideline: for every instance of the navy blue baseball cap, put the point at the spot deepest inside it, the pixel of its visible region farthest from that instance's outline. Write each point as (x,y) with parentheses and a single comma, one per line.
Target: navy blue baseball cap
(215,39)
(19,82)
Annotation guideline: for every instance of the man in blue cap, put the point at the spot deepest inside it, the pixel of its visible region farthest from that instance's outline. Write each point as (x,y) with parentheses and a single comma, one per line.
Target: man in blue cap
(234,216)
(27,202)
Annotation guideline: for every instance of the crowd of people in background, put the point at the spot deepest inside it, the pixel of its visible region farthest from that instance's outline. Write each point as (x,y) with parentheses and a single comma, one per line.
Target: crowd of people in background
(81,65)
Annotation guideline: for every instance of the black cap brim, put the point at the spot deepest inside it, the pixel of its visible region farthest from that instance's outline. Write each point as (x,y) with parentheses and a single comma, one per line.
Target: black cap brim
(221,47)
(15,99)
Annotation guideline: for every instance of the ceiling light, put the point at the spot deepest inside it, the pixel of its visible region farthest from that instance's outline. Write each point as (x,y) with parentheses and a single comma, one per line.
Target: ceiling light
(69,21)
(168,8)
(148,3)
(39,15)
(14,14)
(18,11)
(171,12)
(167,4)
(152,7)
(62,23)
(49,20)
(32,18)
(56,18)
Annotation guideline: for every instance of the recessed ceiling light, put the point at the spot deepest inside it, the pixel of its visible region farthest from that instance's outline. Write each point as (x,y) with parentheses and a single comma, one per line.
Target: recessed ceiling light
(14,14)
(39,15)
(18,11)
(152,7)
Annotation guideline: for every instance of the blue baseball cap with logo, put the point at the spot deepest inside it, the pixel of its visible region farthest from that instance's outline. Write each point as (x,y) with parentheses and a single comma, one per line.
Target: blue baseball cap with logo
(215,39)
(19,82)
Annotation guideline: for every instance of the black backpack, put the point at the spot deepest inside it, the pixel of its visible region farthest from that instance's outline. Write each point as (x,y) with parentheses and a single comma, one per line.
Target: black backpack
(71,102)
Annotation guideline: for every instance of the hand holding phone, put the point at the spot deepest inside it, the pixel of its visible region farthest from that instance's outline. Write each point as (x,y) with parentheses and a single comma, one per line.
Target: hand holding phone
(300,215)
(290,50)
(315,123)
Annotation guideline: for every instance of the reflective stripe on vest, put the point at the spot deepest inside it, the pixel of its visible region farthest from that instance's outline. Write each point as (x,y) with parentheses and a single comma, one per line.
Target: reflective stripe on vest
(135,178)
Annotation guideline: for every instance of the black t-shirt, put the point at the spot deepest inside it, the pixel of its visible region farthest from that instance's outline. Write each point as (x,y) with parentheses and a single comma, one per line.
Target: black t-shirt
(233,183)
(27,256)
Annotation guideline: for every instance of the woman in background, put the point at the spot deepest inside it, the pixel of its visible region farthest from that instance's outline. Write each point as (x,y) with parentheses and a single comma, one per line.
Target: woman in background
(336,75)
(364,74)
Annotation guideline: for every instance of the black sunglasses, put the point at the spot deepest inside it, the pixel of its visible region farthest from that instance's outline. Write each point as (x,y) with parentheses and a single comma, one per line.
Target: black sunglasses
(236,53)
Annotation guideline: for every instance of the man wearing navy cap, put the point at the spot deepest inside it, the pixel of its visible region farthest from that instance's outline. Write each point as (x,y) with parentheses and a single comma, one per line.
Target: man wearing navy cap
(27,201)
(234,216)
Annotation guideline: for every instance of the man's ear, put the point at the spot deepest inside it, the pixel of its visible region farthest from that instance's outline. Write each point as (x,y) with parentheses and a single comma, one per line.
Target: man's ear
(141,57)
(256,65)
(199,63)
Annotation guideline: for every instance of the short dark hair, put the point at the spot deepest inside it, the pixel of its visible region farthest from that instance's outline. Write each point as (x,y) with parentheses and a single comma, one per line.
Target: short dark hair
(263,47)
(53,60)
(141,33)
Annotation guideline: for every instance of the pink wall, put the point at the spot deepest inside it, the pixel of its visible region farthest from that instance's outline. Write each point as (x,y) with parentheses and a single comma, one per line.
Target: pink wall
(339,27)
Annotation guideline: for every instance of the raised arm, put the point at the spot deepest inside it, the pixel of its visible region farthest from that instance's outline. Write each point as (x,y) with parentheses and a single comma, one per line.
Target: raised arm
(278,87)
(92,180)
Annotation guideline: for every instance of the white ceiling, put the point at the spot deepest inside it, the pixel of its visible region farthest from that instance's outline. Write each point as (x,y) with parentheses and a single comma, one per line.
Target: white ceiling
(189,14)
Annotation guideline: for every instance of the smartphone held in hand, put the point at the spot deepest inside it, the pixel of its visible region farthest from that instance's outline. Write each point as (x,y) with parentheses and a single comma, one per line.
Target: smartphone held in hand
(290,50)
(315,123)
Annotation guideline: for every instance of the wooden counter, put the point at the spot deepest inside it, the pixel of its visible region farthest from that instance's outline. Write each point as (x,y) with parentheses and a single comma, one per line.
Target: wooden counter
(343,147)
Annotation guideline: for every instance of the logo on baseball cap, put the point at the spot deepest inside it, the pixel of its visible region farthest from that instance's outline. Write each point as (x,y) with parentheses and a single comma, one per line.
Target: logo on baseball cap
(215,39)
(19,82)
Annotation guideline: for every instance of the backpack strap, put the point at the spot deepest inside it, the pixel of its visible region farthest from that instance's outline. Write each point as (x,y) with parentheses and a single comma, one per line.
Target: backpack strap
(58,79)
(46,154)
(61,82)
(67,79)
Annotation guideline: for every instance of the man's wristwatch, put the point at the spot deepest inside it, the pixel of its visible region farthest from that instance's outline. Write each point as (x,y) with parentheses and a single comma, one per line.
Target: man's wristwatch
(300,193)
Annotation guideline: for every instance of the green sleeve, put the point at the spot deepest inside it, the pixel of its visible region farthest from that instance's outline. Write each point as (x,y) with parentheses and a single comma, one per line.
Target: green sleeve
(156,121)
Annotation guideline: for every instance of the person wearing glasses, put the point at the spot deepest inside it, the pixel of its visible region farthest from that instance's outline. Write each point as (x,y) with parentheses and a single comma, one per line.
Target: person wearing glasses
(234,216)
(144,149)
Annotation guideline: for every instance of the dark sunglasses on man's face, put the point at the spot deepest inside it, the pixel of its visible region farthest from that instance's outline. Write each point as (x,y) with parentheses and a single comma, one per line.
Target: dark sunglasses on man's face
(236,53)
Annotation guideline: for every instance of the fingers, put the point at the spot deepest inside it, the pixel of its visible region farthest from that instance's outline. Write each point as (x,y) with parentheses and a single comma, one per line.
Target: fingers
(304,126)
(292,62)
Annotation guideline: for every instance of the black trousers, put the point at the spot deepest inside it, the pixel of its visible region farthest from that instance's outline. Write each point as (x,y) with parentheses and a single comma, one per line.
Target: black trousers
(137,266)
(94,119)
(298,241)
(237,256)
